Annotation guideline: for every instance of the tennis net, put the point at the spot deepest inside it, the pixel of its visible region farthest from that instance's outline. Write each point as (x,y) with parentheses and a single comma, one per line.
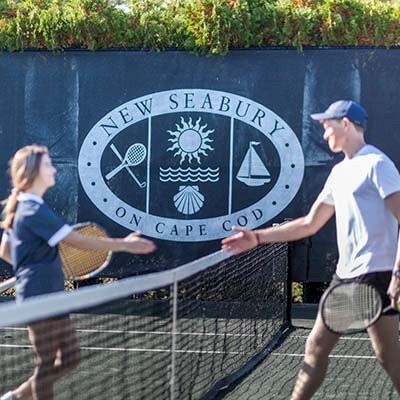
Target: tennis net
(183,333)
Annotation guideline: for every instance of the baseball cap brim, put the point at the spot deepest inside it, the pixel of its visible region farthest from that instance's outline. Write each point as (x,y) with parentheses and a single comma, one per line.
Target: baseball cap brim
(321,116)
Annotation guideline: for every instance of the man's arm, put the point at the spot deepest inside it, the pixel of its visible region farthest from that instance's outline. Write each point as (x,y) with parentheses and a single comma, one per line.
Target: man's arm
(393,201)
(302,227)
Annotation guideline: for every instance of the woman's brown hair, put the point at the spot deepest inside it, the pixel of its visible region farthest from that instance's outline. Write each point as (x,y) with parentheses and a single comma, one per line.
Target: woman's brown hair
(24,168)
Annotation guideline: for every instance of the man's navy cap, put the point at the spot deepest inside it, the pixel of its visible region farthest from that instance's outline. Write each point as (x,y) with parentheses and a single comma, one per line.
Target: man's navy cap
(344,108)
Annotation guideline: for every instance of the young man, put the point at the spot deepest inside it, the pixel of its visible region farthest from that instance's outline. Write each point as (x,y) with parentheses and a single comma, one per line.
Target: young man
(363,191)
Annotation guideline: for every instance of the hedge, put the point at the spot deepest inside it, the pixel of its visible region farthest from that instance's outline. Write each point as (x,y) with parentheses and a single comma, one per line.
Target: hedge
(203,26)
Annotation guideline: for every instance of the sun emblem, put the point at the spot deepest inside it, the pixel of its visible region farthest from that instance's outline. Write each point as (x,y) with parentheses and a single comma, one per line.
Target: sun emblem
(190,140)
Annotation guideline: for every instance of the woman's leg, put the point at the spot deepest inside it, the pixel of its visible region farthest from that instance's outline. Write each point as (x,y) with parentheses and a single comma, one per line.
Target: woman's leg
(68,353)
(56,350)
(43,337)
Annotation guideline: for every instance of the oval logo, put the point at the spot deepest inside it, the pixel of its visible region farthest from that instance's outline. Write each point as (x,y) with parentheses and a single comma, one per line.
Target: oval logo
(187,164)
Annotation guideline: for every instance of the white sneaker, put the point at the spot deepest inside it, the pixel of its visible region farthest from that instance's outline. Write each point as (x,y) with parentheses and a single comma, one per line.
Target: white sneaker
(7,396)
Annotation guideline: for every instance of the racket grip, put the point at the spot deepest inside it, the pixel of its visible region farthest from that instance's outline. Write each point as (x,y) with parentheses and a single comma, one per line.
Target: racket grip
(388,308)
(115,171)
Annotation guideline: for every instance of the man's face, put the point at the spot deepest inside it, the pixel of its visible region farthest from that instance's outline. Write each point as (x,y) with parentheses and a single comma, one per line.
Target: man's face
(335,134)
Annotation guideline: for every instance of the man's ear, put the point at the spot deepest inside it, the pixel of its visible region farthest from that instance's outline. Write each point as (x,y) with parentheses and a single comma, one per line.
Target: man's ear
(346,122)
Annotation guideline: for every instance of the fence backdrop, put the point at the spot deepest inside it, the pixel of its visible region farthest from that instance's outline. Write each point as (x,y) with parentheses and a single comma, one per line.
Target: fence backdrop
(182,147)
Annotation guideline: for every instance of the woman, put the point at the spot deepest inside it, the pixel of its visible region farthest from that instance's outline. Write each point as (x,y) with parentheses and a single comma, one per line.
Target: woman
(32,232)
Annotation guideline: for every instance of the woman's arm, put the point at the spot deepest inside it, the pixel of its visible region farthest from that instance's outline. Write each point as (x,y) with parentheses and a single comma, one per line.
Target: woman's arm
(5,252)
(132,243)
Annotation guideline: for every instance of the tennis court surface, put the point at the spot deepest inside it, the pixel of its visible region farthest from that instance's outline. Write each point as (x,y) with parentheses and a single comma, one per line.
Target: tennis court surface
(188,333)
(353,371)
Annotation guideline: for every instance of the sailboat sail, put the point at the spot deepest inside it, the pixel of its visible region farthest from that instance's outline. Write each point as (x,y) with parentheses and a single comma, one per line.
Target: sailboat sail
(253,171)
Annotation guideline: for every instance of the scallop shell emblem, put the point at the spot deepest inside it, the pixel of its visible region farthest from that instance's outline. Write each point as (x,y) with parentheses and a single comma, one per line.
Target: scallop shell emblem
(188,200)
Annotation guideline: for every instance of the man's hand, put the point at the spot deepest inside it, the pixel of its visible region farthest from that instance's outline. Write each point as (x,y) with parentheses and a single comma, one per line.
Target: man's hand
(394,291)
(242,241)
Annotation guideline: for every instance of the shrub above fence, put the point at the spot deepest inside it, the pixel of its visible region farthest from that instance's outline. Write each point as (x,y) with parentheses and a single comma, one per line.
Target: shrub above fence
(204,26)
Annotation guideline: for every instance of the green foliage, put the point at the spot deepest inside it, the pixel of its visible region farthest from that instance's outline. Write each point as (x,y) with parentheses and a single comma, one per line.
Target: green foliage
(297,292)
(203,26)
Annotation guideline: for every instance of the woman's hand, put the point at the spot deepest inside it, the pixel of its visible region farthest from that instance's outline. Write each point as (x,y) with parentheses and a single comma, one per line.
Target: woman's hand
(134,243)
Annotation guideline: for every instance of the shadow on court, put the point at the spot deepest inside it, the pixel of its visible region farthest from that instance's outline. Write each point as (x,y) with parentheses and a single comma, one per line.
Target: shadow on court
(353,372)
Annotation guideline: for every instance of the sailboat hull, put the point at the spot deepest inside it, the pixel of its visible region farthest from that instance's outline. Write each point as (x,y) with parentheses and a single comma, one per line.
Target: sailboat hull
(252,181)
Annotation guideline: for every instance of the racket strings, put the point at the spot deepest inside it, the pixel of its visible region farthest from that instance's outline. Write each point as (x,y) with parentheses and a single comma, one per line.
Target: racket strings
(80,262)
(136,154)
(351,307)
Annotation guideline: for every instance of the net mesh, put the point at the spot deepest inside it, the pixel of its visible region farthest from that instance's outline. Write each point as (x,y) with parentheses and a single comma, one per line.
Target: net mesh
(178,334)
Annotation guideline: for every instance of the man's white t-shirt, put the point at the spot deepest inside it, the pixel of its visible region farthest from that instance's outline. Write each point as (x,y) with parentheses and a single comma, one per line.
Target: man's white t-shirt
(367,230)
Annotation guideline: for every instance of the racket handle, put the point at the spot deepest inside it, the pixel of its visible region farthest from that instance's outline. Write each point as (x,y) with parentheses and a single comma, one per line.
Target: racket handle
(388,308)
(8,284)
(115,171)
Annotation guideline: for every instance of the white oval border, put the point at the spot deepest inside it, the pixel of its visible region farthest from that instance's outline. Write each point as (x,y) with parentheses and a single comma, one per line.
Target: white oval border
(285,141)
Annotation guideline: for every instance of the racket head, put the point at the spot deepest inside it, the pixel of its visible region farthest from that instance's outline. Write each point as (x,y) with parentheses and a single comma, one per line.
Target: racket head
(80,264)
(135,154)
(350,307)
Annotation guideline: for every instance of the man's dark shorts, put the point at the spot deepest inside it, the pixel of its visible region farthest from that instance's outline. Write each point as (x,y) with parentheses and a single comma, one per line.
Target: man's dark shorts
(379,280)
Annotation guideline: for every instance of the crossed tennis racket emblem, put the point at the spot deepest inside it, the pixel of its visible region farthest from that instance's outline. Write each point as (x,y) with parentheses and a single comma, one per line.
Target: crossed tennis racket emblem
(134,156)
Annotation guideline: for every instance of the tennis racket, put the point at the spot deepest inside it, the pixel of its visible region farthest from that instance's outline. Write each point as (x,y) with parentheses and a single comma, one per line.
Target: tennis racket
(351,307)
(135,155)
(78,264)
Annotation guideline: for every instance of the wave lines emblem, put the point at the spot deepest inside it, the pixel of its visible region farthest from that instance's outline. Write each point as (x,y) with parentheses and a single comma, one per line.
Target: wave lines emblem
(189,174)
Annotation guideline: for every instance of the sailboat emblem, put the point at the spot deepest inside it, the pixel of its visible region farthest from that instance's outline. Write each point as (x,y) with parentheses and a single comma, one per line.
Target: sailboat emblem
(253,171)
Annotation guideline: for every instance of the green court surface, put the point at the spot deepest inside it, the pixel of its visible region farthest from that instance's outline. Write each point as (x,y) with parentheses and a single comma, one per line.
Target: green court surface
(127,362)
(177,334)
(120,364)
(353,372)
